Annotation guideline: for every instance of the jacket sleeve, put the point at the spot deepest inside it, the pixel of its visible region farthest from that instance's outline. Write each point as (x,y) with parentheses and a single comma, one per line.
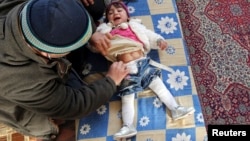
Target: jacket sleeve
(147,36)
(153,38)
(76,103)
(104,28)
(56,100)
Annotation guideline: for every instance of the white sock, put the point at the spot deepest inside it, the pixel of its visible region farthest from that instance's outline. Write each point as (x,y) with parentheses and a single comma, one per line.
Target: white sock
(163,93)
(128,110)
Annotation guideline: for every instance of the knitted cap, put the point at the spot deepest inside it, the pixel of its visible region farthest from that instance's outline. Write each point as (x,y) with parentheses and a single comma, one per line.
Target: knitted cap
(116,4)
(56,26)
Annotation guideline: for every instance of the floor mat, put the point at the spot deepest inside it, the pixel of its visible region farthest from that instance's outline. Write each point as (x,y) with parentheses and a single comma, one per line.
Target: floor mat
(152,119)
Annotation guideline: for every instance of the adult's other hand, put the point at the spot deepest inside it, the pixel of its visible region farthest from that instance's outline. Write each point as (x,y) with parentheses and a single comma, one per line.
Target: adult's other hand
(117,72)
(101,42)
(87,2)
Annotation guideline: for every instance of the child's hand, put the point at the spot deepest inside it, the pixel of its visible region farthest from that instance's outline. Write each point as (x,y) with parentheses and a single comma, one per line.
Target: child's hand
(162,44)
(101,42)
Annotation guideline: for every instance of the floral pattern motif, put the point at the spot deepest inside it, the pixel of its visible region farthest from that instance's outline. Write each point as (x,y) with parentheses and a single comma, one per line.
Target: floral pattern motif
(181,137)
(177,80)
(144,121)
(167,25)
(232,17)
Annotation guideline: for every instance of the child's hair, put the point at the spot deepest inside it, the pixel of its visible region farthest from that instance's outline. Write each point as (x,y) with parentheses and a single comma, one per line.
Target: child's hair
(116,4)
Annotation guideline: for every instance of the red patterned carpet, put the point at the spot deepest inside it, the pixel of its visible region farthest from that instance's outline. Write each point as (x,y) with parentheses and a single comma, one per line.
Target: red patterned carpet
(217,34)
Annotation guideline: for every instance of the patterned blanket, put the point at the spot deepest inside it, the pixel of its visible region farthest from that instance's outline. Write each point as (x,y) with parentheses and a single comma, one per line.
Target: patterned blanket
(217,36)
(152,119)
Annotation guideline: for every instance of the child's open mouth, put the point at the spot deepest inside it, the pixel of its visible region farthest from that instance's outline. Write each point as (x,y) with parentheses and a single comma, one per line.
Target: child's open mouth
(116,18)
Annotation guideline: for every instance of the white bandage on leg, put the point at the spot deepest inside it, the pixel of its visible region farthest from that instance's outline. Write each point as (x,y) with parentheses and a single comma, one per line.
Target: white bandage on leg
(163,93)
(128,109)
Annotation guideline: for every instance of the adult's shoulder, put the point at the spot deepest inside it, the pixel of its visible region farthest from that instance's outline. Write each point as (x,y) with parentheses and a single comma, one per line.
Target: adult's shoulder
(7,5)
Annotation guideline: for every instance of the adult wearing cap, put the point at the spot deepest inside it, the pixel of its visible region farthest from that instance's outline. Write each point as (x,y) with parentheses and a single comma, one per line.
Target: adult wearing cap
(38,85)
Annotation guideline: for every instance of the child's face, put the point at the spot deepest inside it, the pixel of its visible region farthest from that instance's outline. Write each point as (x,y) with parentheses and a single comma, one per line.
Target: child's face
(117,16)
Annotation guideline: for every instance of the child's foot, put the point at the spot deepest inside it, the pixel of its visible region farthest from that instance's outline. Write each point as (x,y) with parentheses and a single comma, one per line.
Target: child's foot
(182,112)
(125,132)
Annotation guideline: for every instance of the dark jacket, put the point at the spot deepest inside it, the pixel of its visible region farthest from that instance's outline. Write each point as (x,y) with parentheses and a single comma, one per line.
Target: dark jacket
(31,90)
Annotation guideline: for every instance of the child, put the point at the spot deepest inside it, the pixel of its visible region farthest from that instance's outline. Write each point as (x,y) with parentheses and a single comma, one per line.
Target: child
(130,43)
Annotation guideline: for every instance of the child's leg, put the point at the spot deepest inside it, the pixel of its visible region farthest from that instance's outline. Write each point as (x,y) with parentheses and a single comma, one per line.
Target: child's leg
(177,112)
(163,93)
(128,109)
(128,112)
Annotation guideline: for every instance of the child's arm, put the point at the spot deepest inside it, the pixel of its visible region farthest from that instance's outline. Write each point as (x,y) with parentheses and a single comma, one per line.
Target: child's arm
(162,44)
(156,41)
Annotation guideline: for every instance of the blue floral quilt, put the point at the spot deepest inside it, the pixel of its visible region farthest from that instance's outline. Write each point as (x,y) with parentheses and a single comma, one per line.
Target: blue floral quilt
(152,119)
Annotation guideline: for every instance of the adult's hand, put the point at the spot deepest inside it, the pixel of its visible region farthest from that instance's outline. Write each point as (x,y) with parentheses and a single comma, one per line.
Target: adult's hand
(87,2)
(101,42)
(117,72)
